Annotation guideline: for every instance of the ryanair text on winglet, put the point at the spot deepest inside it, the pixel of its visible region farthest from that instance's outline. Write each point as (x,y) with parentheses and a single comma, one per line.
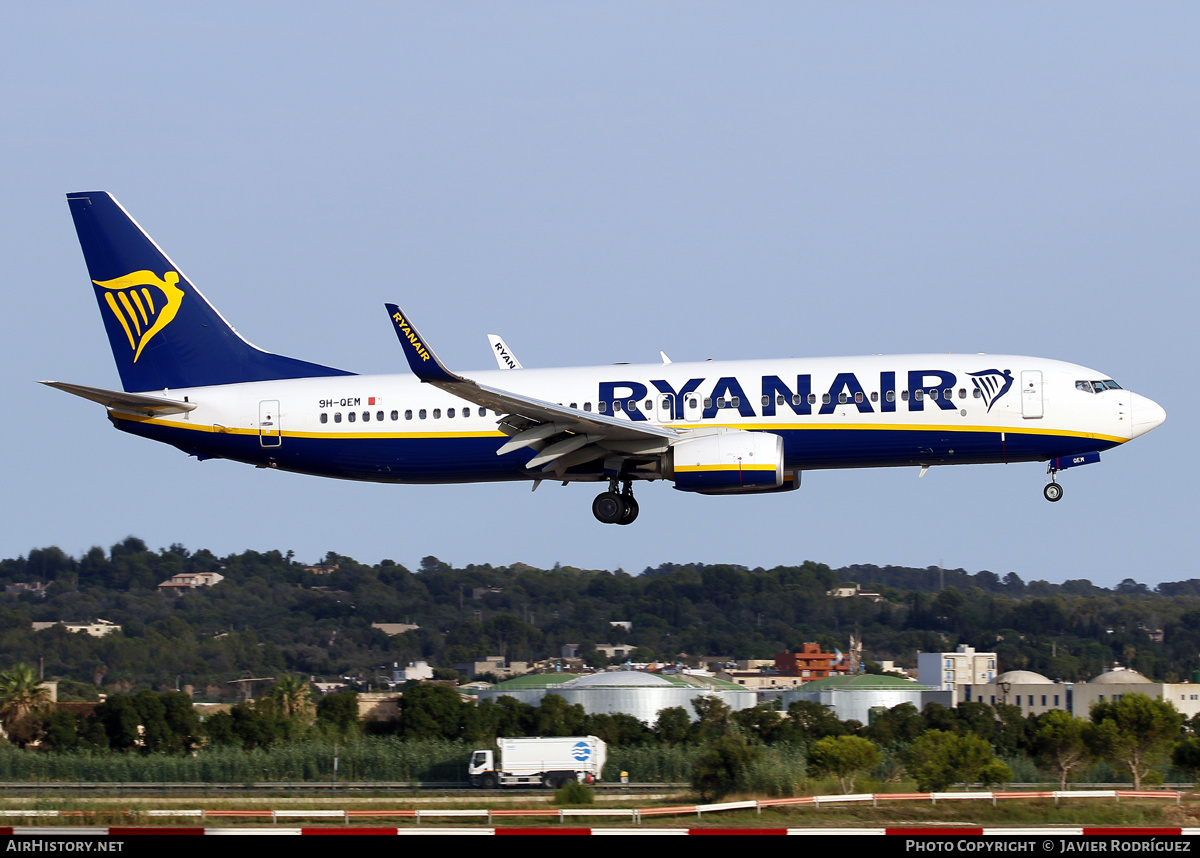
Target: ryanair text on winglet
(407,330)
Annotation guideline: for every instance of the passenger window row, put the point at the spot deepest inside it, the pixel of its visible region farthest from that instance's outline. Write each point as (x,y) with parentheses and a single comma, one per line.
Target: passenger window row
(422,414)
(722,402)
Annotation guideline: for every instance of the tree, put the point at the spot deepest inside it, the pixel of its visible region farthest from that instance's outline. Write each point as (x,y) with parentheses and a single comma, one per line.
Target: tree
(721,768)
(938,759)
(896,726)
(712,718)
(23,699)
(430,712)
(500,717)
(760,723)
(808,720)
(844,757)
(120,719)
(1061,744)
(618,729)
(673,725)
(1135,732)
(557,717)
(290,694)
(251,724)
(339,713)
(1186,755)
(291,700)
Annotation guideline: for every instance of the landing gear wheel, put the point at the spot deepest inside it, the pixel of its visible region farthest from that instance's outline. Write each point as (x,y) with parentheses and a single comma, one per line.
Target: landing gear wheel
(609,508)
(1053,492)
(631,510)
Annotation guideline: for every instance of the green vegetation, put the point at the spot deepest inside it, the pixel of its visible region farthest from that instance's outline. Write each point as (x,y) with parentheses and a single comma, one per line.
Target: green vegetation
(574,793)
(844,757)
(273,617)
(22,700)
(157,738)
(937,760)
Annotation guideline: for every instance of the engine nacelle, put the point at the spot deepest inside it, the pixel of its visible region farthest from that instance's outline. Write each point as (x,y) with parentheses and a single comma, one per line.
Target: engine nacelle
(729,462)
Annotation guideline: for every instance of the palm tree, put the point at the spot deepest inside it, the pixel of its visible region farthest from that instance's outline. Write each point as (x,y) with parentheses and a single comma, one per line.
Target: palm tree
(291,701)
(23,697)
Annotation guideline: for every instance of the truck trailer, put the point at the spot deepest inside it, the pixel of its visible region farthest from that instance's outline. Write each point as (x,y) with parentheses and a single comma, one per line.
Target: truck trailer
(547,760)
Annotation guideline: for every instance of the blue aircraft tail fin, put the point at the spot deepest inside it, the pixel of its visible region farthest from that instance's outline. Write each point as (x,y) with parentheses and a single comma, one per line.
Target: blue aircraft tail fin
(163,332)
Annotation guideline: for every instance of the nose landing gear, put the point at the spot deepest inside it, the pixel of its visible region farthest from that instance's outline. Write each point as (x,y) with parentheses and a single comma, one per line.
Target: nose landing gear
(612,508)
(1053,491)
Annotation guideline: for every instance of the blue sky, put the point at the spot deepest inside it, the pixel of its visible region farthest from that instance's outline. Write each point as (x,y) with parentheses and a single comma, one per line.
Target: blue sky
(598,181)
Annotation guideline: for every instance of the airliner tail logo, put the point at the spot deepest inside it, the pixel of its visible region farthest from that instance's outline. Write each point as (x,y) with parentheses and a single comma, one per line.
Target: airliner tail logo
(143,304)
(992,384)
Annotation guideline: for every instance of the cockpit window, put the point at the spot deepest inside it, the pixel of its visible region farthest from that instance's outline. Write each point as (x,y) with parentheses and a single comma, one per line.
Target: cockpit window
(1097,386)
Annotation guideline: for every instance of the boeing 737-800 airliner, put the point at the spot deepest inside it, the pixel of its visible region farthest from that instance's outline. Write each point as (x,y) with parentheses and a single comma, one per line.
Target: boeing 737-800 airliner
(733,427)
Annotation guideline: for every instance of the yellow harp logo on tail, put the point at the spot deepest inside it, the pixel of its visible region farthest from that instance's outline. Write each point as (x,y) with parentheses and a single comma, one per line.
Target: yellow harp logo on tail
(143,304)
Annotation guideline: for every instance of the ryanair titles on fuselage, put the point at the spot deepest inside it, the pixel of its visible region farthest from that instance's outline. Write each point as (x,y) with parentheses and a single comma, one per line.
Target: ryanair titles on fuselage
(936,386)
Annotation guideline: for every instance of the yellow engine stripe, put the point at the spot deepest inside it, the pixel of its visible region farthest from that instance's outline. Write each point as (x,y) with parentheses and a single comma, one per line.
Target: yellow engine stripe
(698,468)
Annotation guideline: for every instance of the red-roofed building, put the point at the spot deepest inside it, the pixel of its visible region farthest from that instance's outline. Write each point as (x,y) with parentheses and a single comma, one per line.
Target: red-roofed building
(810,663)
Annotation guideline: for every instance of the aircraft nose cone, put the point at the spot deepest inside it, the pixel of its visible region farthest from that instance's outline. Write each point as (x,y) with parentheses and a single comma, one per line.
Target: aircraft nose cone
(1147,414)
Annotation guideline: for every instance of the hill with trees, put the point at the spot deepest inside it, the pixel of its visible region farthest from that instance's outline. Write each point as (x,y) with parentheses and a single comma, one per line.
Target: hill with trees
(272,615)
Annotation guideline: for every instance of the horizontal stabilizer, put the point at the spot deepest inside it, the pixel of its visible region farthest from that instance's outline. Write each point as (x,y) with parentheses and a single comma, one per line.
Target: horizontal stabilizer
(134,403)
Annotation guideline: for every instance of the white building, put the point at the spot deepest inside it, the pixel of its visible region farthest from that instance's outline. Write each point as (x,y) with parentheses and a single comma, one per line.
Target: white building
(191,581)
(416,671)
(98,629)
(950,671)
(1114,684)
(1034,693)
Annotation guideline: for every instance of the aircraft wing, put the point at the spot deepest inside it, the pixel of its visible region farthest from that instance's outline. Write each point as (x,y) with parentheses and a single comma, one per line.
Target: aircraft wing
(531,420)
(134,403)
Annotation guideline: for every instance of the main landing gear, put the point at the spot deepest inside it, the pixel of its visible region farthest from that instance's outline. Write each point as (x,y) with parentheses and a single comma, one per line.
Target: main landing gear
(612,508)
(1053,492)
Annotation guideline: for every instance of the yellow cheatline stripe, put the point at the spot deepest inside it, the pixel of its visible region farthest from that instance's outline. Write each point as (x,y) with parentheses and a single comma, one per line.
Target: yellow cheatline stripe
(208,427)
(124,299)
(898,427)
(112,305)
(137,299)
(694,468)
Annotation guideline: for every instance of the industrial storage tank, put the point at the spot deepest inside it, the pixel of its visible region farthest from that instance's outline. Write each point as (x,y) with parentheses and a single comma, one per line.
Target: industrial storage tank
(632,692)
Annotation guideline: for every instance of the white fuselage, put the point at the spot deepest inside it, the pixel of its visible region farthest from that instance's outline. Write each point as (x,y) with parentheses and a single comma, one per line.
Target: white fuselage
(831,412)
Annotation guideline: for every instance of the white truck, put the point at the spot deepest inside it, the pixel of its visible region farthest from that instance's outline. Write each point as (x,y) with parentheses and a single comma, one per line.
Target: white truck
(547,760)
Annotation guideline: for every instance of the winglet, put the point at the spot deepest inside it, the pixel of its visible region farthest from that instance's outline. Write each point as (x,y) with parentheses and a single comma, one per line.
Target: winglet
(421,359)
(504,356)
